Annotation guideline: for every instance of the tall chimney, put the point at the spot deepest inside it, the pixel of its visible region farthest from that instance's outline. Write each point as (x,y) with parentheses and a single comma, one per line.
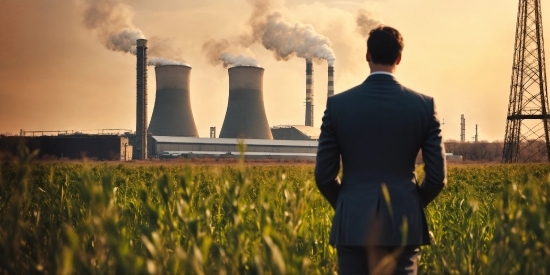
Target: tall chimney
(309,92)
(140,146)
(462,128)
(330,80)
(245,116)
(172,114)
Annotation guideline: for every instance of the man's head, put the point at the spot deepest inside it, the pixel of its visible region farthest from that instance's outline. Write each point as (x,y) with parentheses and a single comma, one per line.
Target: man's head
(384,46)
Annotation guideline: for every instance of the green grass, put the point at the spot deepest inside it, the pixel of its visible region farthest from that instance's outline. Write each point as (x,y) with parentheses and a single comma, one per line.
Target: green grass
(97,218)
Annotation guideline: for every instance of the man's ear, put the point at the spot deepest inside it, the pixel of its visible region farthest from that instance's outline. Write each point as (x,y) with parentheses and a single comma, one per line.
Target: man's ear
(368,56)
(398,60)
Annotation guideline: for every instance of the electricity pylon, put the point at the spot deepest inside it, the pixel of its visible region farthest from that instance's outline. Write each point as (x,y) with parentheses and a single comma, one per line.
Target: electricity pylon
(527,136)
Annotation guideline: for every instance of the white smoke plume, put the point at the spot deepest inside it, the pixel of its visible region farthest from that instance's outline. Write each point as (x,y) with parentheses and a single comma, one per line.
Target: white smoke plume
(366,22)
(230,60)
(111,21)
(213,49)
(159,61)
(276,34)
(257,22)
(286,39)
(216,52)
(164,47)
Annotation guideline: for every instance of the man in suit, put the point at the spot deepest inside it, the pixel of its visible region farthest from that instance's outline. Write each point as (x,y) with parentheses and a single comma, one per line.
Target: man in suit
(376,130)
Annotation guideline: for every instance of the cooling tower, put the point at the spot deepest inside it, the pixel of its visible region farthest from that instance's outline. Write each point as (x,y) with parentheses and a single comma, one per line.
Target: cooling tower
(172,115)
(330,80)
(245,116)
(140,145)
(309,92)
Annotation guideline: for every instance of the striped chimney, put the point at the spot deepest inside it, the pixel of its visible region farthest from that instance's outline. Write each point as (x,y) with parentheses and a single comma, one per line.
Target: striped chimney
(330,80)
(309,92)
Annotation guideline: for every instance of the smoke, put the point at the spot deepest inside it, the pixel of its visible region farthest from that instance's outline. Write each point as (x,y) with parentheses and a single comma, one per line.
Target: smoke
(213,49)
(286,39)
(159,61)
(216,52)
(111,21)
(275,34)
(164,47)
(230,60)
(257,22)
(365,22)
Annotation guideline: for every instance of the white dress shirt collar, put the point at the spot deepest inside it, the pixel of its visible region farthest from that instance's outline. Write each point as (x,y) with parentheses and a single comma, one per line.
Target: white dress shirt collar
(380,72)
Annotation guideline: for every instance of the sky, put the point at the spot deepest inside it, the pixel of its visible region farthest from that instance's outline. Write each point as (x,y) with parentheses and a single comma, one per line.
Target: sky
(56,74)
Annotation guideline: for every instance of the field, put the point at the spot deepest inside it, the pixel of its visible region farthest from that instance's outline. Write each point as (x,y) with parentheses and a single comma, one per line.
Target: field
(100,218)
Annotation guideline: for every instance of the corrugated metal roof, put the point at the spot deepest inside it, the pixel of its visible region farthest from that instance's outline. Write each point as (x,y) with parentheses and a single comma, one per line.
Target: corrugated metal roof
(312,132)
(233,141)
(178,153)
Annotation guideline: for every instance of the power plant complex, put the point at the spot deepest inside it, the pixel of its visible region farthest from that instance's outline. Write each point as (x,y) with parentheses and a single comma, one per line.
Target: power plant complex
(172,131)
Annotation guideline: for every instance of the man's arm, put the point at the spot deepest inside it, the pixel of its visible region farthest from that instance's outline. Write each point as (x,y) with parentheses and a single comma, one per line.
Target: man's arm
(433,154)
(328,160)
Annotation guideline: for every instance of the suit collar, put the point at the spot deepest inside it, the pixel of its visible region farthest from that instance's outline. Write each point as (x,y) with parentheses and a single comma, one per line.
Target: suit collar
(380,77)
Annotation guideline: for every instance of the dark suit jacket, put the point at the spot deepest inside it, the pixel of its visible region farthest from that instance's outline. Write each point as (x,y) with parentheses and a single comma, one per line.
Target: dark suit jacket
(377,129)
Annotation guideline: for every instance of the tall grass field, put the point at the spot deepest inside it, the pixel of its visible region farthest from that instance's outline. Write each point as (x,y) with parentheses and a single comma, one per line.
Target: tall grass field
(100,218)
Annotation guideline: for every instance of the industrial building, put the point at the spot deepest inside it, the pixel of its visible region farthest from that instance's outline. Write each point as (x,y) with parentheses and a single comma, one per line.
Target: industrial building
(99,147)
(295,132)
(190,147)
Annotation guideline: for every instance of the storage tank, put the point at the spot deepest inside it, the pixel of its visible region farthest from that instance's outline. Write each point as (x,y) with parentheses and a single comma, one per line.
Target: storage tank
(172,114)
(245,116)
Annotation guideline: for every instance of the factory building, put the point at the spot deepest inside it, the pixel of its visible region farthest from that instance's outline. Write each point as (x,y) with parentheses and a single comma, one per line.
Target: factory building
(99,147)
(190,147)
(295,132)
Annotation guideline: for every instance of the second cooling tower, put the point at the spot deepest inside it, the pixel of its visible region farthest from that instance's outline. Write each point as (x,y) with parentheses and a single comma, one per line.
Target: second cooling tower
(172,115)
(245,116)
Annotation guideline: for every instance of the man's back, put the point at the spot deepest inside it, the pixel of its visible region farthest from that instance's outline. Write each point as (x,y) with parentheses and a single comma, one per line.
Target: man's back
(378,128)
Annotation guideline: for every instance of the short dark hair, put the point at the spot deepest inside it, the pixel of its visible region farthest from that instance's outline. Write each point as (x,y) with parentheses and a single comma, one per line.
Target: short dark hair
(385,44)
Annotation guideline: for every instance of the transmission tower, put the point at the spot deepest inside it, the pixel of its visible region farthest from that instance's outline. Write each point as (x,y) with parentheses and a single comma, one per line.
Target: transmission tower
(527,122)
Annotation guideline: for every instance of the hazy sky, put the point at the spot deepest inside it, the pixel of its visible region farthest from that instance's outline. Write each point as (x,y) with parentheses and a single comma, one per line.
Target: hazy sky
(56,75)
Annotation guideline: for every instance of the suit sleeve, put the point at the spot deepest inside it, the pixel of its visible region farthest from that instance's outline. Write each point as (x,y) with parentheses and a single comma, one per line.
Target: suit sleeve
(328,160)
(433,154)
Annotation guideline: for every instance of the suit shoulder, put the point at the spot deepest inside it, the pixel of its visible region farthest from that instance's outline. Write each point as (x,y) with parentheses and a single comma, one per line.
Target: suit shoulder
(345,94)
(414,94)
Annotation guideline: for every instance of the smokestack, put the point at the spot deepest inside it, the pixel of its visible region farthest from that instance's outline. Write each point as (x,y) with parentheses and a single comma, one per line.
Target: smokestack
(462,128)
(140,146)
(172,114)
(330,80)
(309,92)
(245,116)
